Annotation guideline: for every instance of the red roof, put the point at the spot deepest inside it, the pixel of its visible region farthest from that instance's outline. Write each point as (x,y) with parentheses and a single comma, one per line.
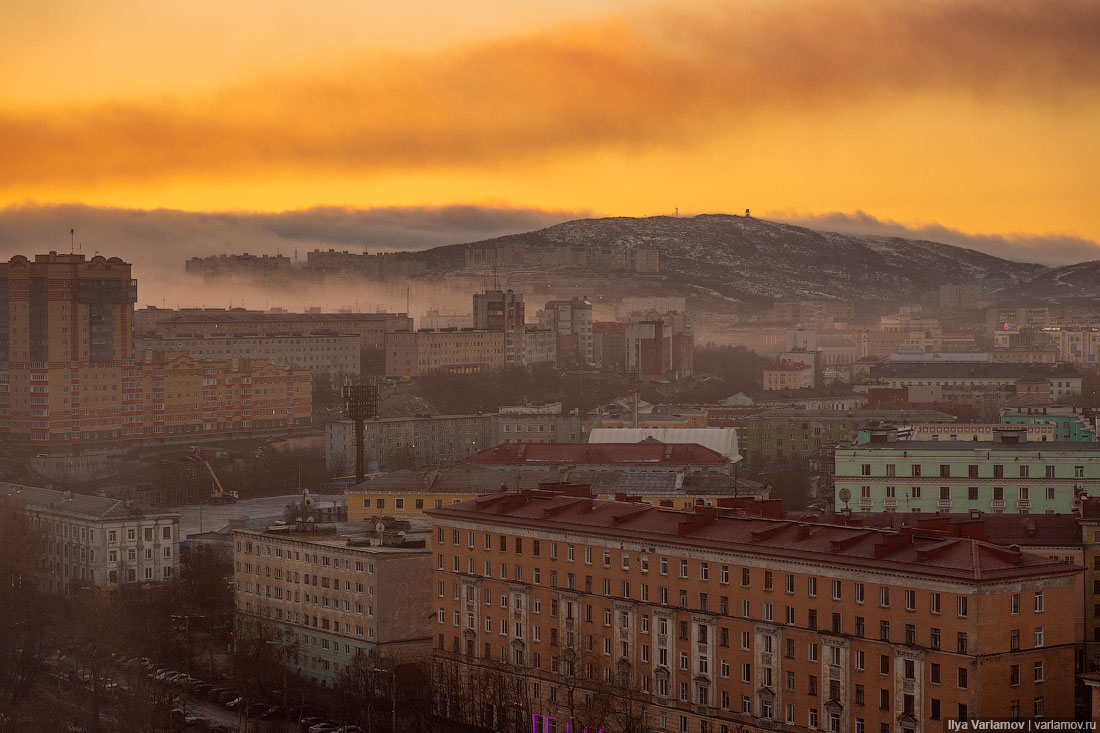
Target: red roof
(1028,530)
(908,551)
(574,454)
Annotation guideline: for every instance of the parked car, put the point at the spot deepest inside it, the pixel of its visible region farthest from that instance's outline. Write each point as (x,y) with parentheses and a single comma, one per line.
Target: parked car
(277,712)
(256,708)
(227,696)
(324,728)
(234,704)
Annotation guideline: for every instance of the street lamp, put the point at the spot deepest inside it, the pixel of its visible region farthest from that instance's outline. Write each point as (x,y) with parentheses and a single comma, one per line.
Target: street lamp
(393,695)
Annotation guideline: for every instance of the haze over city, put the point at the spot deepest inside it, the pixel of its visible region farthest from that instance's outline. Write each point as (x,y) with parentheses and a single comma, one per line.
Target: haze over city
(618,366)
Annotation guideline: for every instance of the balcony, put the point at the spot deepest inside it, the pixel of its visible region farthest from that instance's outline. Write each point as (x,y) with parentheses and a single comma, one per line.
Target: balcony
(944,505)
(866,502)
(997,505)
(890,502)
(1023,505)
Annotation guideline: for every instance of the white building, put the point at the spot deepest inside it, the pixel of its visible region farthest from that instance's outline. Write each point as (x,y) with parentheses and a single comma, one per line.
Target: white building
(98,543)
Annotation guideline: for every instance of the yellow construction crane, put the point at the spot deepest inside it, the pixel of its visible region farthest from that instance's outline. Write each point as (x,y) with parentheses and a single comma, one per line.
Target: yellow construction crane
(218,494)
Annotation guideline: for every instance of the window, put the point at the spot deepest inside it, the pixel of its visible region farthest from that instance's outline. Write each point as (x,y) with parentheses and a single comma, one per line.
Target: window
(1014,606)
(962,607)
(961,678)
(1038,636)
(934,603)
(744,576)
(836,590)
(811,587)
(884,630)
(934,673)
(961,645)
(683,568)
(1038,601)
(934,640)
(884,597)
(1014,640)
(859,592)
(1039,676)
(910,600)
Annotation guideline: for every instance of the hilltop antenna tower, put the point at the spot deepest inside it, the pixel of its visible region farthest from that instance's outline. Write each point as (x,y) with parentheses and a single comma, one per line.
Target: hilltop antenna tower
(72,241)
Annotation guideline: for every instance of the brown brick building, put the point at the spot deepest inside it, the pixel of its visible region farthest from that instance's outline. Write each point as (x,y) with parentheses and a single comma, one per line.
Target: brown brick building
(630,617)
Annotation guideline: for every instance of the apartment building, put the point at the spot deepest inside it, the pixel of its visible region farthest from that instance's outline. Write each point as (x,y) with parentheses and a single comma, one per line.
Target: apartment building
(619,615)
(409,442)
(497,310)
(412,493)
(370,327)
(177,397)
(334,593)
(243,268)
(787,434)
(1062,380)
(331,356)
(1002,475)
(95,543)
(454,351)
(788,375)
(540,346)
(659,346)
(1031,432)
(1079,346)
(65,340)
(1068,423)
(571,323)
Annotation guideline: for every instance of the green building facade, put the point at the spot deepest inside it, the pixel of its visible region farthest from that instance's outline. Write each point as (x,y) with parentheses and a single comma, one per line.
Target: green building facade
(1069,424)
(961,476)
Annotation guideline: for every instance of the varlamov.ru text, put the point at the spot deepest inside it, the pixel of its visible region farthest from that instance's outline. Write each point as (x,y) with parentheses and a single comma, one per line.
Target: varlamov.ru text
(1024,726)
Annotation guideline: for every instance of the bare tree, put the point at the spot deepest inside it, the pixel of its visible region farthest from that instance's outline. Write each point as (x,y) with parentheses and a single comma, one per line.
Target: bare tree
(22,606)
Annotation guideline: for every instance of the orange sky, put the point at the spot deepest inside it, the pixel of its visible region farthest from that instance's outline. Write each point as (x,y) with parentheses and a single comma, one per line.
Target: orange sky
(981,116)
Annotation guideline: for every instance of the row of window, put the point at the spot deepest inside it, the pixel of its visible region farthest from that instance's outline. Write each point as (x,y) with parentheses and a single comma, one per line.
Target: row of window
(972,470)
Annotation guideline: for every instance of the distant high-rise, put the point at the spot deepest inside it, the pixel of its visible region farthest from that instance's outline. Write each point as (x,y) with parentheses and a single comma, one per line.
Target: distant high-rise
(496,310)
(571,322)
(66,348)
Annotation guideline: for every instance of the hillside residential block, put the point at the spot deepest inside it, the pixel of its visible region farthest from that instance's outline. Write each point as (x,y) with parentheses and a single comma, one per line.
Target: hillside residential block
(621,615)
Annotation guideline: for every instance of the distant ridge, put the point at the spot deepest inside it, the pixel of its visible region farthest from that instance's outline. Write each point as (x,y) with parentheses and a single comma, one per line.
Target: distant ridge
(744,259)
